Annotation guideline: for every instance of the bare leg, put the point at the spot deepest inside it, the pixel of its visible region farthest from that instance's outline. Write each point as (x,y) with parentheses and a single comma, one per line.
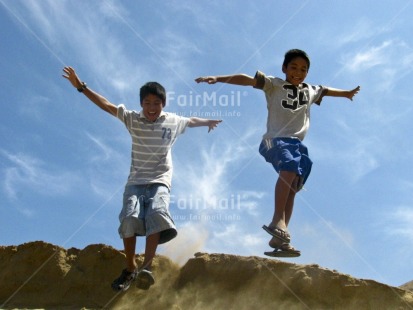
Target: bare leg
(152,242)
(282,197)
(290,201)
(129,245)
(288,209)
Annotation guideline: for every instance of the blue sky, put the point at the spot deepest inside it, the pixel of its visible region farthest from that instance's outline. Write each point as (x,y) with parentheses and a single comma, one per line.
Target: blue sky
(64,163)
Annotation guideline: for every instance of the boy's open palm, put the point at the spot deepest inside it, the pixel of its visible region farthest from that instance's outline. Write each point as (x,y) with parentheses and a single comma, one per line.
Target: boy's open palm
(72,77)
(353,92)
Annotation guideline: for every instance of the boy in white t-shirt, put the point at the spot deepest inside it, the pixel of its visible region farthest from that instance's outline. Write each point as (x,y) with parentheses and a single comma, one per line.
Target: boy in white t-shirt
(288,103)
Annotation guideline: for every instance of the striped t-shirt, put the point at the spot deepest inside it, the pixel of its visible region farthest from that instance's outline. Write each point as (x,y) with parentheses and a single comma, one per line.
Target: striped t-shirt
(151,159)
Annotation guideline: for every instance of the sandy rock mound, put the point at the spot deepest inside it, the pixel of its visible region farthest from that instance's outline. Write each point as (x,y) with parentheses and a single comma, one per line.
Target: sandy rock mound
(41,275)
(252,282)
(407,286)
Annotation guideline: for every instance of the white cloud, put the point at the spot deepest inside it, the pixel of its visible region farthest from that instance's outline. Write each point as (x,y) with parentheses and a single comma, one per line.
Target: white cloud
(249,201)
(206,192)
(82,33)
(25,171)
(235,238)
(400,224)
(212,182)
(369,58)
(385,64)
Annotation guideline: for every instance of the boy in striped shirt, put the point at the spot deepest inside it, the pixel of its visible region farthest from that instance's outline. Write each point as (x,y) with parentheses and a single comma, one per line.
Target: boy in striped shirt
(145,209)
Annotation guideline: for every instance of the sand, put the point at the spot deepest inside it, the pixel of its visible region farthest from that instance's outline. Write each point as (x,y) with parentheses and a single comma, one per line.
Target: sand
(39,275)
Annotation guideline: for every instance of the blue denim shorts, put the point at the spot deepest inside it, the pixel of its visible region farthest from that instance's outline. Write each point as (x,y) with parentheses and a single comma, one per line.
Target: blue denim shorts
(145,212)
(287,154)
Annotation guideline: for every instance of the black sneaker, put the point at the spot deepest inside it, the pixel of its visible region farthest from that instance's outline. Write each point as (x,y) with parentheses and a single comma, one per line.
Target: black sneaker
(124,281)
(144,279)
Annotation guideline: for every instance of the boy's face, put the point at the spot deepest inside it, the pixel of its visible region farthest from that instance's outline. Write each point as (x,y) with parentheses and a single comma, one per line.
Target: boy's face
(152,107)
(296,71)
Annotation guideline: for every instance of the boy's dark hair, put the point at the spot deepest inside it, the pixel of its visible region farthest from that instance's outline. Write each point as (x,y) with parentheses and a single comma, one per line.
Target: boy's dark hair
(153,88)
(294,53)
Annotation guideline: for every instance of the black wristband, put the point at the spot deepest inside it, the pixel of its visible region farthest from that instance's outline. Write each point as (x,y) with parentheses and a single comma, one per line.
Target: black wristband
(82,88)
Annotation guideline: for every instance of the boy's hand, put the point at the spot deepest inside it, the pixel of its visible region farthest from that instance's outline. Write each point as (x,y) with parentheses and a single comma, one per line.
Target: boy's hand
(212,124)
(197,122)
(72,77)
(207,79)
(335,92)
(353,92)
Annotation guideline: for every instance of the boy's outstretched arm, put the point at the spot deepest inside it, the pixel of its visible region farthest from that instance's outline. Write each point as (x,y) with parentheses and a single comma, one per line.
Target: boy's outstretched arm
(237,79)
(96,98)
(334,92)
(198,122)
